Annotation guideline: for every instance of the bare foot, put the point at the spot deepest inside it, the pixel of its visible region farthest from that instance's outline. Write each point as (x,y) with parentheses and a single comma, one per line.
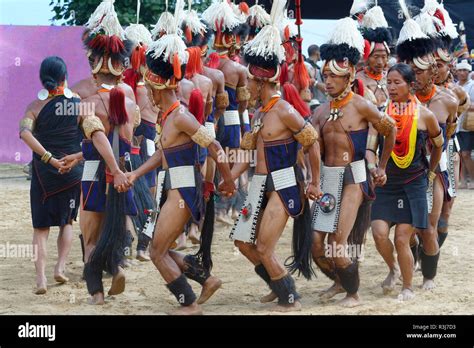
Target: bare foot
(350,301)
(118,284)
(193,309)
(59,275)
(462,186)
(97,299)
(225,219)
(388,285)
(269,298)
(428,284)
(41,285)
(126,263)
(61,278)
(406,295)
(470,186)
(142,256)
(329,293)
(193,236)
(210,286)
(181,242)
(235,214)
(295,307)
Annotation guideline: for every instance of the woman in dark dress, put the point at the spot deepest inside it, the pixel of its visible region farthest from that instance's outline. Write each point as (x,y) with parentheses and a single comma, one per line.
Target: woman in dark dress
(50,129)
(401,201)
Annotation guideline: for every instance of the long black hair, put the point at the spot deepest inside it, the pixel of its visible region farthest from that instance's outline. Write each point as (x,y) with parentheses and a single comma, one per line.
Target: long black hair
(53,72)
(407,72)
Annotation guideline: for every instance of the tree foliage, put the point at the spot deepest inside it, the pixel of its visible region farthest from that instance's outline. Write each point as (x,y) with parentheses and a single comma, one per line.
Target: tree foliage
(77,12)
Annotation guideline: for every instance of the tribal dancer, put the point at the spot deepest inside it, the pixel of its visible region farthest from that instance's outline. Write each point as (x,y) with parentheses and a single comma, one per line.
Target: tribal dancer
(179,189)
(200,34)
(105,150)
(444,81)
(377,38)
(144,135)
(444,105)
(401,202)
(294,70)
(227,29)
(87,87)
(54,194)
(343,213)
(278,132)
(416,48)
(196,37)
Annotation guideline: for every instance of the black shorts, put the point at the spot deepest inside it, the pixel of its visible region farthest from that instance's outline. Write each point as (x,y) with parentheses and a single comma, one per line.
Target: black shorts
(466,141)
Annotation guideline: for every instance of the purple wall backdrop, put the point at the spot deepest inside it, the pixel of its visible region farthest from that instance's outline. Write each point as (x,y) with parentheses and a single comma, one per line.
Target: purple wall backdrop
(22,49)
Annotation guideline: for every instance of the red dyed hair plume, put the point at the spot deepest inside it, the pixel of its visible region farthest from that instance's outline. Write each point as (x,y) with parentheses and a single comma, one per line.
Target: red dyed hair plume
(131,78)
(194,65)
(360,87)
(284,73)
(244,8)
(366,49)
(289,51)
(117,111)
(213,61)
(177,67)
(115,45)
(293,97)
(196,105)
(138,57)
(301,74)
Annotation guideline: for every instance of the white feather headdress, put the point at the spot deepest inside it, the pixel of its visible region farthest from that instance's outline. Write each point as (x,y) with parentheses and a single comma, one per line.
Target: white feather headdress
(192,20)
(267,42)
(138,33)
(171,43)
(105,18)
(427,24)
(260,16)
(346,32)
(449,28)
(221,12)
(360,6)
(411,29)
(374,18)
(167,21)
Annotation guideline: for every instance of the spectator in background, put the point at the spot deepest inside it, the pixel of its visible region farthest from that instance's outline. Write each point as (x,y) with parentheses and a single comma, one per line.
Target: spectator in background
(466,136)
(319,89)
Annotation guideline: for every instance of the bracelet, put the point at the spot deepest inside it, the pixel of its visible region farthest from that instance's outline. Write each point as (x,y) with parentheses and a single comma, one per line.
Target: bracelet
(371,166)
(46,157)
(431,176)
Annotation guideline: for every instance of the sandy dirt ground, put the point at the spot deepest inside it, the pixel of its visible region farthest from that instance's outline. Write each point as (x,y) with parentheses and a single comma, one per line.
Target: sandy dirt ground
(146,292)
